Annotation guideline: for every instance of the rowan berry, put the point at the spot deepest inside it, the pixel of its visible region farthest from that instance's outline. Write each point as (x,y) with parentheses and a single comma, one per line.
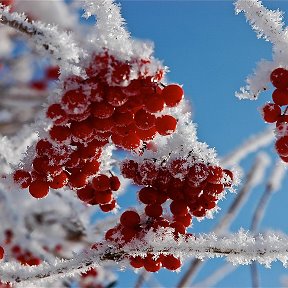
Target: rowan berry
(280,96)
(166,125)
(172,94)
(271,112)
(281,146)
(144,120)
(279,78)
(170,262)
(39,189)
(22,177)
(130,218)
(101,182)
(56,113)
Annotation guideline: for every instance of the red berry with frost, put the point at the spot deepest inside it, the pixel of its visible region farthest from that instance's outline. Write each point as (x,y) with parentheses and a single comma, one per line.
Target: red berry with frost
(39,189)
(86,193)
(60,134)
(116,97)
(170,262)
(227,178)
(154,103)
(59,181)
(148,195)
(154,210)
(130,219)
(22,177)
(44,147)
(103,197)
(102,110)
(166,125)
(75,101)
(91,168)
(56,113)
(144,120)
(186,220)
(108,207)
(271,112)
(78,180)
(280,96)
(148,134)
(131,141)
(281,146)
(215,174)
(101,182)
(122,119)
(129,169)
(152,265)
(172,94)
(114,183)
(179,207)
(136,262)
(279,78)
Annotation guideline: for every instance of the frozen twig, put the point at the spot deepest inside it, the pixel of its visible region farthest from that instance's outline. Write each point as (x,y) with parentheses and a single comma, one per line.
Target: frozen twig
(240,248)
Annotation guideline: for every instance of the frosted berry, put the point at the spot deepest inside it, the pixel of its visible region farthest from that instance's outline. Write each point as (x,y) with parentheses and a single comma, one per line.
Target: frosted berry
(74,101)
(102,109)
(144,120)
(166,125)
(114,183)
(39,189)
(172,94)
(101,182)
(270,112)
(59,181)
(170,262)
(280,96)
(57,114)
(130,219)
(281,146)
(279,78)
(22,177)
(154,104)
(60,133)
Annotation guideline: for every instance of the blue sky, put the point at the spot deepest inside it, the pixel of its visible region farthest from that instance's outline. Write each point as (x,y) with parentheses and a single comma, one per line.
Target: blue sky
(210,51)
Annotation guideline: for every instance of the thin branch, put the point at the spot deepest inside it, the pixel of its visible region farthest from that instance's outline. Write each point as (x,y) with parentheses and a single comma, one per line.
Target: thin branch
(240,248)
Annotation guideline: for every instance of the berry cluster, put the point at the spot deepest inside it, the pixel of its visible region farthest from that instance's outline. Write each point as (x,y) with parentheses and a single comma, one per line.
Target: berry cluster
(132,227)
(193,188)
(91,113)
(272,112)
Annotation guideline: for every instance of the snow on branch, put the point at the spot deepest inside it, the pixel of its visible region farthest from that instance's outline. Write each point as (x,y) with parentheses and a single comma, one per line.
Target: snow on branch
(240,248)
(269,25)
(251,145)
(47,37)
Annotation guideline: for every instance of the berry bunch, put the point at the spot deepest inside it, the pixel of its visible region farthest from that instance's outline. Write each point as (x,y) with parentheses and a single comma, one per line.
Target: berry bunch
(193,188)
(91,113)
(272,112)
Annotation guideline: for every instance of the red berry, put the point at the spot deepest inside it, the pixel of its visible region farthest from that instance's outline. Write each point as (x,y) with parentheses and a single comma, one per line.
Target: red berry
(57,114)
(75,101)
(81,131)
(280,96)
(131,141)
(129,169)
(179,168)
(39,189)
(170,262)
(44,147)
(59,181)
(60,133)
(198,173)
(166,125)
(103,124)
(103,197)
(179,228)
(1,252)
(153,210)
(148,134)
(52,72)
(270,112)
(91,168)
(22,177)
(116,97)
(108,207)
(185,219)
(86,193)
(152,265)
(101,182)
(214,189)
(78,180)
(136,262)
(148,170)
(154,104)
(281,146)
(148,195)
(179,207)
(144,120)
(122,119)
(130,219)
(227,178)
(215,174)
(172,94)
(114,183)
(102,110)
(279,78)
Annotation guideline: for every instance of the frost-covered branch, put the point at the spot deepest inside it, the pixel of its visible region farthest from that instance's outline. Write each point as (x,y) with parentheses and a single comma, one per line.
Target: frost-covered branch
(269,25)
(49,38)
(251,145)
(240,248)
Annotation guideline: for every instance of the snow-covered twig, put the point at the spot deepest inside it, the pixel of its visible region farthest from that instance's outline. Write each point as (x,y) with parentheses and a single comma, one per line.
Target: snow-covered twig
(240,248)
(251,145)
(269,25)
